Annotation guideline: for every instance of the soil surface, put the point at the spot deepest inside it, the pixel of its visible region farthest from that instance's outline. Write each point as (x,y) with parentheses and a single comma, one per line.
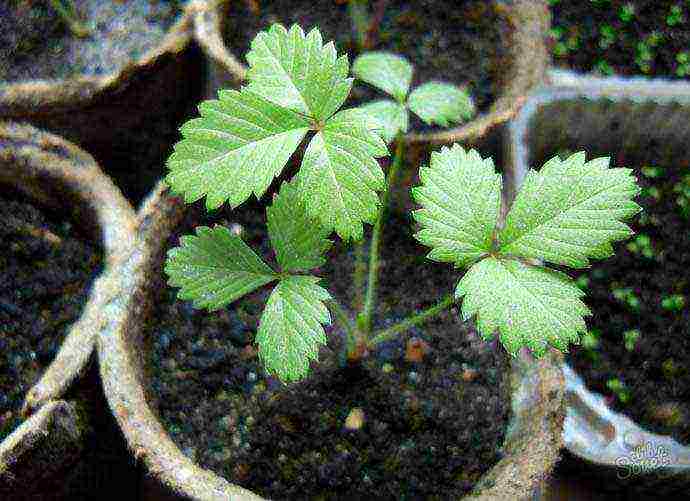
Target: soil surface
(46,270)
(626,37)
(638,348)
(457,42)
(419,429)
(36,43)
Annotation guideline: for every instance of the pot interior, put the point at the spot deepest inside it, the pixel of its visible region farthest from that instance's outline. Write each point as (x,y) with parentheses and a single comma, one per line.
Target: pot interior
(426,412)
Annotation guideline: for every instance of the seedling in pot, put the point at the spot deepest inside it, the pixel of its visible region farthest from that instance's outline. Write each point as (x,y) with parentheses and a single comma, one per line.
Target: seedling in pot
(682,189)
(642,245)
(630,338)
(674,302)
(626,295)
(619,389)
(565,214)
(590,342)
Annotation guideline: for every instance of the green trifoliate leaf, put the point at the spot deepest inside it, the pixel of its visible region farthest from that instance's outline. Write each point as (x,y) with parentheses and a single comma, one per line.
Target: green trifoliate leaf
(339,177)
(460,197)
(529,305)
(215,267)
(236,148)
(299,241)
(388,72)
(291,329)
(570,211)
(441,103)
(298,71)
(391,116)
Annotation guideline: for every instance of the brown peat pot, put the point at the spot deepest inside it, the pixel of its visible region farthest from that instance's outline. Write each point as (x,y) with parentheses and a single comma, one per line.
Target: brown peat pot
(532,439)
(123,89)
(55,175)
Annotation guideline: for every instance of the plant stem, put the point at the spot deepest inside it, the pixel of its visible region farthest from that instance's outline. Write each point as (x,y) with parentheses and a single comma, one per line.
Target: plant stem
(343,318)
(360,21)
(376,235)
(375,23)
(359,273)
(68,13)
(409,322)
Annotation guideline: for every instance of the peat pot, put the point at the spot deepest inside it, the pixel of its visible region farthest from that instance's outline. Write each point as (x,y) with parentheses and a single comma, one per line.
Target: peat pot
(65,228)
(131,368)
(119,92)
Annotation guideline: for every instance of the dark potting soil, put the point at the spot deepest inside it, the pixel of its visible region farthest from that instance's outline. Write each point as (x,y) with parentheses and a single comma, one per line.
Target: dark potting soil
(414,428)
(36,43)
(46,270)
(460,42)
(639,342)
(626,37)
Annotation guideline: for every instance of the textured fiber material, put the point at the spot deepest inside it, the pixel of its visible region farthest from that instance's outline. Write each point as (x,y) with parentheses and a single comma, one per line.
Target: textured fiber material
(56,173)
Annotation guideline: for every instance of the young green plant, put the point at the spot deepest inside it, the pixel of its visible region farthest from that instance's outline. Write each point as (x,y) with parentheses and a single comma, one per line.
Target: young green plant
(569,211)
(435,103)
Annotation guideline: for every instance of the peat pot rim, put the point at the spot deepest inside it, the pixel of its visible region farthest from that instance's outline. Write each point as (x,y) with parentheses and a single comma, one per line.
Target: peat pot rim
(55,172)
(592,431)
(529,22)
(46,96)
(533,438)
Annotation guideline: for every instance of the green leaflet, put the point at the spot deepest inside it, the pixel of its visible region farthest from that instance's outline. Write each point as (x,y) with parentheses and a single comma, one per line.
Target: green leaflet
(298,71)
(441,103)
(436,103)
(528,305)
(236,148)
(243,140)
(569,211)
(388,72)
(214,268)
(460,197)
(291,327)
(391,117)
(298,240)
(340,177)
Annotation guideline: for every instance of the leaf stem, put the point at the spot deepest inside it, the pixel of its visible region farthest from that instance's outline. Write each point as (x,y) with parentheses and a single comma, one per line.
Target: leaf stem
(372,283)
(411,321)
